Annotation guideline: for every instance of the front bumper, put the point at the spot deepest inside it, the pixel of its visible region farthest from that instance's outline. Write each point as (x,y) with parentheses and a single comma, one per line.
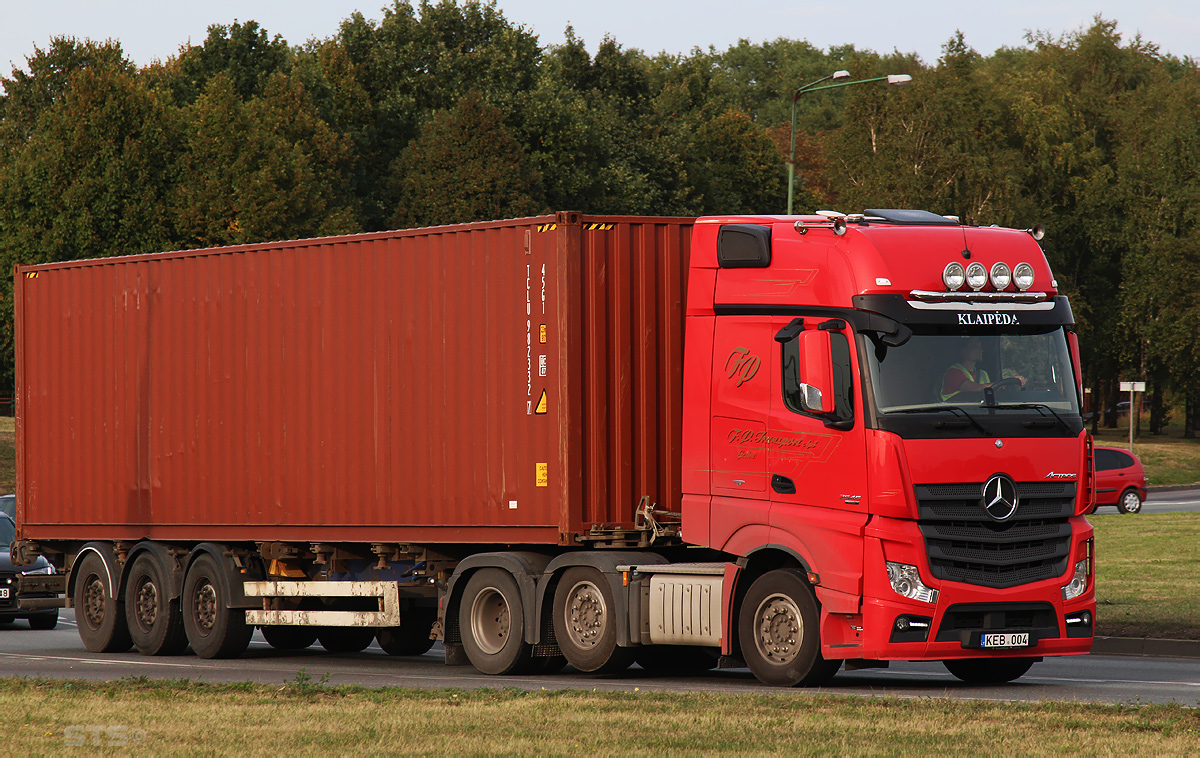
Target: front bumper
(891,627)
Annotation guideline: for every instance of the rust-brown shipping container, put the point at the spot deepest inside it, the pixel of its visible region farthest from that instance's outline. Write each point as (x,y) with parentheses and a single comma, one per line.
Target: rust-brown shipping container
(510,382)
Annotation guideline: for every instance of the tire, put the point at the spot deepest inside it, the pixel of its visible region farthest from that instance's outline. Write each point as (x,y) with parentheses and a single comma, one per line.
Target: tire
(44,621)
(547,664)
(989,670)
(677,659)
(345,639)
(99,616)
(1130,501)
(585,623)
(154,620)
(289,637)
(412,636)
(213,628)
(491,621)
(779,632)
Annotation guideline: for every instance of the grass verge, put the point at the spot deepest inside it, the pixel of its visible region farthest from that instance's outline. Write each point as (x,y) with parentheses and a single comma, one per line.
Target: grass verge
(148,717)
(1168,458)
(1147,571)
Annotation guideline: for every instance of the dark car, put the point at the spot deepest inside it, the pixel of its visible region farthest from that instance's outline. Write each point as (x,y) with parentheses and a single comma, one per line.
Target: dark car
(1120,479)
(8,506)
(46,619)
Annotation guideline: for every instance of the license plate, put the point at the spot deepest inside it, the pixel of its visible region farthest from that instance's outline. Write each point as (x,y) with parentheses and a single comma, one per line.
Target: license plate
(1005,640)
(3,593)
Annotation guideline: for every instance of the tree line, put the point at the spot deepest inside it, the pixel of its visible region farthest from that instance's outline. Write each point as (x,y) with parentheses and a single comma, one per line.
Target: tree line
(445,112)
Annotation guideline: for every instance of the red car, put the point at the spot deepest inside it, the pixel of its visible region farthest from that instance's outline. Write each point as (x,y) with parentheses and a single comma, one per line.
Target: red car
(1120,479)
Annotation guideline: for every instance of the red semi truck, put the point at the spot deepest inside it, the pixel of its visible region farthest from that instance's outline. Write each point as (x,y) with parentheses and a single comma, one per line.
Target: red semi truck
(797,442)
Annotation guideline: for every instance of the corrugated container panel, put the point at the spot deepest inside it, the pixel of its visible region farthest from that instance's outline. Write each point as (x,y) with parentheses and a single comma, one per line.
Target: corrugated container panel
(381,387)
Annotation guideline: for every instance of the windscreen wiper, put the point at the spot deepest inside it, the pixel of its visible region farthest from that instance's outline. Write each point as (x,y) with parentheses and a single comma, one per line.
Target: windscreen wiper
(949,409)
(1039,407)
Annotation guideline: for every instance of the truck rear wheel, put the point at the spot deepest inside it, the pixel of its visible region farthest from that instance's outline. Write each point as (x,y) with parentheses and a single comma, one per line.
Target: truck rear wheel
(154,620)
(214,629)
(491,620)
(585,623)
(289,637)
(989,670)
(99,616)
(412,636)
(345,639)
(778,631)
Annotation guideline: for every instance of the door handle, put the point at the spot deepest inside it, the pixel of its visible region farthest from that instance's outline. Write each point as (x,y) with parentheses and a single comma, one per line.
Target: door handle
(783,485)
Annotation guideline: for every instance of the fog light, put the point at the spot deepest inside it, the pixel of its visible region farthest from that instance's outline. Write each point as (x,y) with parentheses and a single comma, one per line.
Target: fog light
(906,581)
(976,276)
(1023,276)
(1001,276)
(953,275)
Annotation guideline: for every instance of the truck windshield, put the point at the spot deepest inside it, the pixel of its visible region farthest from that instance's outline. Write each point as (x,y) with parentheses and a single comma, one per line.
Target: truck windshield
(1028,371)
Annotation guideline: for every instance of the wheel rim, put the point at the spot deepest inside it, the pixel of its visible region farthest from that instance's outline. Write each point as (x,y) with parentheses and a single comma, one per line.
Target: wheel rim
(779,630)
(491,621)
(146,604)
(93,602)
(586,615)
(1132,503)
(206,607)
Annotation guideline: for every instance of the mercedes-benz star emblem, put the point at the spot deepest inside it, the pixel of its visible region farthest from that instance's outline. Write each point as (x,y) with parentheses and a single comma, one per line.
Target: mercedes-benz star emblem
(1000,497)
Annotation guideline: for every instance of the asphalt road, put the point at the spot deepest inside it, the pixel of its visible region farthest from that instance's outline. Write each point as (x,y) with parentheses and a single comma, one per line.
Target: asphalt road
(1170,501)
(58,654)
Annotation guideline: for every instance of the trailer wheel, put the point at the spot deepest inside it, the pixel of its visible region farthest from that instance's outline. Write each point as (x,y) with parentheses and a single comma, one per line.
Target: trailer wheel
(778,629)
(585,623)
(289,637)
(99,616)
(989,670)
(154,620)
(412,636)
(345,639)
(1130,502)
(214,629)
(491,621)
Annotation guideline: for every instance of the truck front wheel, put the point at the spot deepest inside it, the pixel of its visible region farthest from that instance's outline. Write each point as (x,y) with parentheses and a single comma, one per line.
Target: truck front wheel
(778,631)
(989,670)
(412,636)
(99,616)
(289,637)
(585,623)
(214,629)
(491,620)
(154,620)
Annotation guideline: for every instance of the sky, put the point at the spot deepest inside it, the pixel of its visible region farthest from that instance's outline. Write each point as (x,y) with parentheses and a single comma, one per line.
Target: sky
(155,29)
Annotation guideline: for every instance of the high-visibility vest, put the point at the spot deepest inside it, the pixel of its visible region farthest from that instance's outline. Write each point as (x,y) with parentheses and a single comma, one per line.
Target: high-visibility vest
(979,377)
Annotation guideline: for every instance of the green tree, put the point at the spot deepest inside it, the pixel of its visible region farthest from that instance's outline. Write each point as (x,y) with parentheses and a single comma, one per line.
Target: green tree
(465,166)
(243,52)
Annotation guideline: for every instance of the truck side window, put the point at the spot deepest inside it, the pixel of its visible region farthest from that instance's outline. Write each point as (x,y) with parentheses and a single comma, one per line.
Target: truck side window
(843,377)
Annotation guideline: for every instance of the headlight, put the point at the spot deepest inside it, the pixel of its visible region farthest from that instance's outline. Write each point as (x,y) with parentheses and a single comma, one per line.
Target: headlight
(976,276)
(1001,276)
(1083,571)
(42,570)
(1023,276)
(953,275)
(906,581)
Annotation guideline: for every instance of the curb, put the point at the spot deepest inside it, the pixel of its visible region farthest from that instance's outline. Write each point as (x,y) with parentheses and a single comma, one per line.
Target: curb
(1146,647)
(1173,487)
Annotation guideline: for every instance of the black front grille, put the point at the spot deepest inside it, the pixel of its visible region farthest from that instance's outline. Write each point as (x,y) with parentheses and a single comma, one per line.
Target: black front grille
(964,622)
(967,545)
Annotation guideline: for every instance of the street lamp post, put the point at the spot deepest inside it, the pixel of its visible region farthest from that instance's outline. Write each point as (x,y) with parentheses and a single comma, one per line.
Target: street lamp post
(836,76)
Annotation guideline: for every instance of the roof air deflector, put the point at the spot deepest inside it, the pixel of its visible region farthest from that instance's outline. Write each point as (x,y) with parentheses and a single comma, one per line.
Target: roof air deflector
(909,217)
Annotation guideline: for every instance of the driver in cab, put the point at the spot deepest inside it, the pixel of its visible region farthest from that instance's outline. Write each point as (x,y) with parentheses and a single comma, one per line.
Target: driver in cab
(967,376)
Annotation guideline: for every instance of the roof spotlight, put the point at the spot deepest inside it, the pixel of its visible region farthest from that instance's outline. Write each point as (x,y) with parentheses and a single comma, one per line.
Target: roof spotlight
(976,276)
(1023,276)
(1001,276)
(953,276)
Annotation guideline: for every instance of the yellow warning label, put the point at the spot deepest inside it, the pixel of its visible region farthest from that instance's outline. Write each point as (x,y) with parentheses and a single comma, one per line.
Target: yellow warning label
(543,474)
(33,275)
(547,227)
(542,405)
(542,334)
(597,227)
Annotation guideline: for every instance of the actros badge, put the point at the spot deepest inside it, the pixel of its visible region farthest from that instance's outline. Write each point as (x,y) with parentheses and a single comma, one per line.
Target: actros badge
(1000,497)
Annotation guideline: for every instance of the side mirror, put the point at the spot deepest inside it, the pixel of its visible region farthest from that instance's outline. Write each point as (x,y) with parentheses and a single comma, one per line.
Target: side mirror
(816,368)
